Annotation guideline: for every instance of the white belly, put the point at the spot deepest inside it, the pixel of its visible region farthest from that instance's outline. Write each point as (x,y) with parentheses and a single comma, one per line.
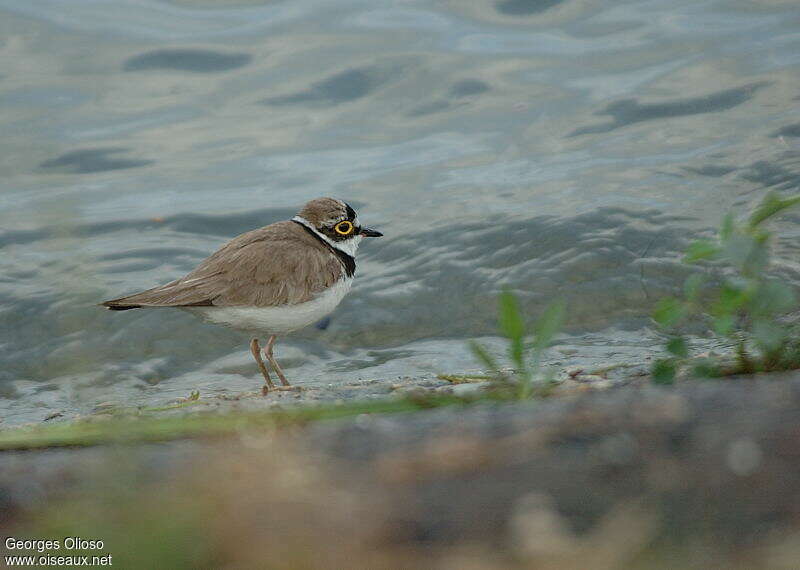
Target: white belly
(276,320)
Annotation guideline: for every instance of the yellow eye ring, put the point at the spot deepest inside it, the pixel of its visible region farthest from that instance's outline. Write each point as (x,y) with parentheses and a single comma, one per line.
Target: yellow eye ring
(343,228)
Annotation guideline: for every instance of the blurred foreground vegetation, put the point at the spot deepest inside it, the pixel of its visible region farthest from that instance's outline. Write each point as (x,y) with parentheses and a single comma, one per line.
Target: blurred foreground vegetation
(637,478)
(735,296)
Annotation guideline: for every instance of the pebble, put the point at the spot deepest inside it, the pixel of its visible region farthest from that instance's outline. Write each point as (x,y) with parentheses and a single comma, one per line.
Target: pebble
(469,389)
(103,407)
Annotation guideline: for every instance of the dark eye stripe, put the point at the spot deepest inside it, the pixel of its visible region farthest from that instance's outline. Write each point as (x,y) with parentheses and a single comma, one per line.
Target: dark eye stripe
(351,213)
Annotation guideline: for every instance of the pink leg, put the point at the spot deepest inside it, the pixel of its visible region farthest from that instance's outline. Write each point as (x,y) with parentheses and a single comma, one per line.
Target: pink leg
(255,350)
(273,362)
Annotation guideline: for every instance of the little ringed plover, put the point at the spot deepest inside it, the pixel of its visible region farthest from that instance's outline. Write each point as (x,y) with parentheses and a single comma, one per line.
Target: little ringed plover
(271,281)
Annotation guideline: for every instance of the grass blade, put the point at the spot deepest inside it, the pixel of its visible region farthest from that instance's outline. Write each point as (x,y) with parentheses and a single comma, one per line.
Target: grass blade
(513,327)
(483,355)
(549,324)
(771,204)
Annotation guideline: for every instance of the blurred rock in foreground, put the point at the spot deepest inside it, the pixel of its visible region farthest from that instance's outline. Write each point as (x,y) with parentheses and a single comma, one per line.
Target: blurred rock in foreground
(702,475)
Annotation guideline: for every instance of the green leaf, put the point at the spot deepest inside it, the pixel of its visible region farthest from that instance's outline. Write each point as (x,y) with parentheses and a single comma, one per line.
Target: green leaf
(705,368)
(701,249)
(727,227)
(525,390)
(663,371)
(512,326)
(483,355)
(511,323)
(746,253)
(670,311)
(758,260)
(770,205)
(549,324)
(769,335)
(723,324)
(677,346)
(733,296)
(773,298)
(692,286)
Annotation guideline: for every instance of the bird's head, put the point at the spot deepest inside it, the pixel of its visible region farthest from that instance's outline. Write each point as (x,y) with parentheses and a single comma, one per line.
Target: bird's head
(336,222)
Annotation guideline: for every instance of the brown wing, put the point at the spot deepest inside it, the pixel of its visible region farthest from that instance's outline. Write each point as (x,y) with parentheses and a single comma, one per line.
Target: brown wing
(275,265)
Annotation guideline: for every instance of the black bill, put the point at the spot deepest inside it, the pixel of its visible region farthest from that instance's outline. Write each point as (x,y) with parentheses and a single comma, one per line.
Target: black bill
(369,232)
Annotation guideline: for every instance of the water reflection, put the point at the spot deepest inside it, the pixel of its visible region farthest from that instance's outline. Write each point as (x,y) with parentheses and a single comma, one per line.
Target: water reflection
(90,160)
(782,174)
(788,131)
(713,170)
(345,86)
(629,111)
(468,87)
(429,108)
(525,7)
(460,92)
(195,60)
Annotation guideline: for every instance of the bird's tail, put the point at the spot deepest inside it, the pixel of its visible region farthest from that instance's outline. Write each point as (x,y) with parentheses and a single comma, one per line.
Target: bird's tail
(121,304)
(174,294)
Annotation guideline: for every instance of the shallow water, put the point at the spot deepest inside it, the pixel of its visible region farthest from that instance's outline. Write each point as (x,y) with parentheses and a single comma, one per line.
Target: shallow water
(557,148)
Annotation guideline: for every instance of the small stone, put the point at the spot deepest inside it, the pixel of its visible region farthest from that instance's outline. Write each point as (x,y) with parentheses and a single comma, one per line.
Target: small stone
(593,379)
(573,371)
(570,386)
(470,389)
(413,391)
(744,456)
(104,407)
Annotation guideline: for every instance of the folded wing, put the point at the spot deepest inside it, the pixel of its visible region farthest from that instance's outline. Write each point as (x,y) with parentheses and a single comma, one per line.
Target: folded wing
(276,265)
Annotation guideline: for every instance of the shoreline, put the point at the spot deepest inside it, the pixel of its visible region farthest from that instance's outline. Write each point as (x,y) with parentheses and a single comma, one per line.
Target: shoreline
(198,416)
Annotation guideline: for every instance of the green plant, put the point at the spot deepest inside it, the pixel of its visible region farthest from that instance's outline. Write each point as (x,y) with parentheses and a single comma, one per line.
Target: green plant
(743,304)
(526,357)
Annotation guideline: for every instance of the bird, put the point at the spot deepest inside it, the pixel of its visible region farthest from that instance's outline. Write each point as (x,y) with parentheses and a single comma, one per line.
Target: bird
(269,281)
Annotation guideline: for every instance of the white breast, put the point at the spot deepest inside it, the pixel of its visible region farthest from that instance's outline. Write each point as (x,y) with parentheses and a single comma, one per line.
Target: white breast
(277,320)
